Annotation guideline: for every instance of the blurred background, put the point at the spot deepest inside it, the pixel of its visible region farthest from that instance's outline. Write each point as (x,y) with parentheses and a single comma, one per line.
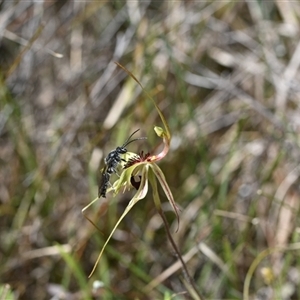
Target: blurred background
(226,76)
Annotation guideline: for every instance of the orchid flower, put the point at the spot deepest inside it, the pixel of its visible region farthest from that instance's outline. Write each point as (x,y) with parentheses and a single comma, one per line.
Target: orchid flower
(142,165)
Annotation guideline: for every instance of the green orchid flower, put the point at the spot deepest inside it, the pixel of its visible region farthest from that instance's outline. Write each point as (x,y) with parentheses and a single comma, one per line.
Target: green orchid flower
(144,167)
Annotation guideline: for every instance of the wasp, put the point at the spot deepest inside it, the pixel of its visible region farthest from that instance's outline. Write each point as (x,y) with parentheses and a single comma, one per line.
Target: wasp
(111,163)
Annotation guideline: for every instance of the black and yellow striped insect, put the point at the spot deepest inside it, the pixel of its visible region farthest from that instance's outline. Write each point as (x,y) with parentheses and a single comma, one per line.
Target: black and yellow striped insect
(111,163)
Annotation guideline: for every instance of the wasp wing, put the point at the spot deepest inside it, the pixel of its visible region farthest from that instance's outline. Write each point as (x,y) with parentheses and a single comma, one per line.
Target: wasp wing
(103,183)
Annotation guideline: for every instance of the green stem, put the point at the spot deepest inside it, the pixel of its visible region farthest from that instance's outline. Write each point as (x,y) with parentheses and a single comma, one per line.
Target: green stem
(197,295)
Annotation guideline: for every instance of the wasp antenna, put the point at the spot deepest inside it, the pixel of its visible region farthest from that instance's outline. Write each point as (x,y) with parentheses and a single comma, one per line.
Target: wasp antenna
(141,138)
(131,136)
(128,140)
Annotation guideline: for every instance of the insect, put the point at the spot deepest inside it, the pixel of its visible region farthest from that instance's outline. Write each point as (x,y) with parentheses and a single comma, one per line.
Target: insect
(112,161)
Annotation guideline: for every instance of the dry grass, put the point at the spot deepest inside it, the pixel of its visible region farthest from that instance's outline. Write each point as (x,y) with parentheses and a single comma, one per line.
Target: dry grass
(226,75)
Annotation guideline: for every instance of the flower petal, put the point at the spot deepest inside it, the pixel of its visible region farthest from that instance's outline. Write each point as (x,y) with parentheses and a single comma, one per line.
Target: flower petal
(164,121)
(140,194)
(162,180)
